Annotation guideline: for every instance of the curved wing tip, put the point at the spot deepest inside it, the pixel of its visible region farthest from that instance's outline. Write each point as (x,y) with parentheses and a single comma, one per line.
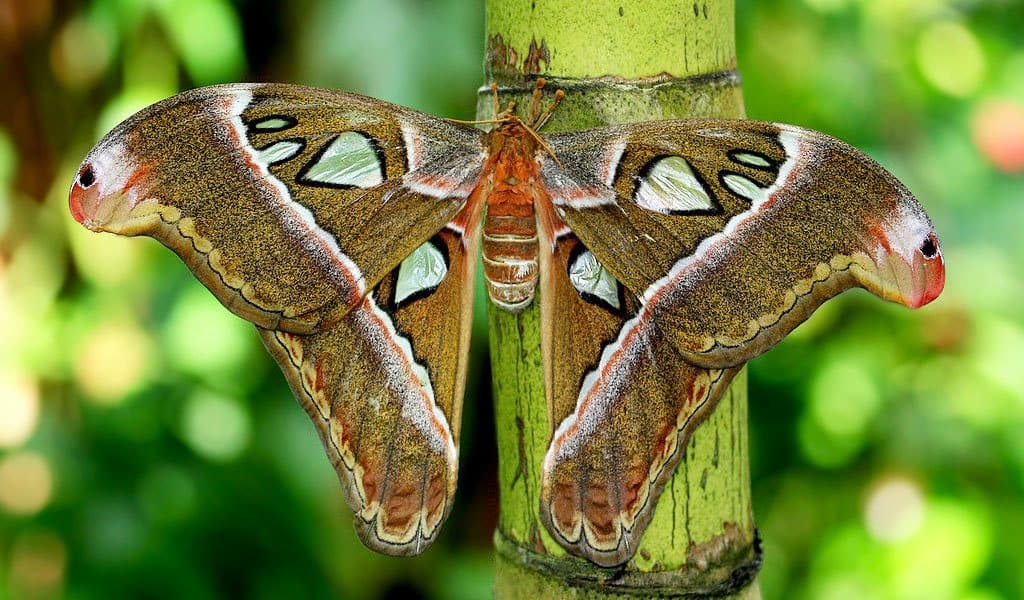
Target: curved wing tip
(415,546)
(931,273)
(606,559)
(618,556)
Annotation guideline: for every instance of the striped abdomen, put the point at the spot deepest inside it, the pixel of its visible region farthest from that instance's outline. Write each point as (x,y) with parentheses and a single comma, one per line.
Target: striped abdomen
(510,228)
(510,253)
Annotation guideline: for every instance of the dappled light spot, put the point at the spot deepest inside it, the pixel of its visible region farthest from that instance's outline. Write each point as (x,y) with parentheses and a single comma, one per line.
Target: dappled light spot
(950,58)
(823,450)
(19,409)
(38,565)
(843,398)
(843,401)
(106,261)
(80,53)
(203,338)
(207,36)
(945,558)
(894,509)
(26,483)
(997,128)
(112,361)
(215,427)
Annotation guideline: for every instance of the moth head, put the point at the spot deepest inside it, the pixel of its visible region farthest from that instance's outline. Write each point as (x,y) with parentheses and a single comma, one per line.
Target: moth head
(107,193)
(906,253)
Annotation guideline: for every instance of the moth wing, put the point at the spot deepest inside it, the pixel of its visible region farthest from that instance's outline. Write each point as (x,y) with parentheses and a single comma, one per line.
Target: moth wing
(321,217)
(623,405)
(733,232)
(384,387)
(719,237)
(288,202)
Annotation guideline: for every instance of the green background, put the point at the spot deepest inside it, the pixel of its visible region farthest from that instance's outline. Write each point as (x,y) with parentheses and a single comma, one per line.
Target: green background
(148,446)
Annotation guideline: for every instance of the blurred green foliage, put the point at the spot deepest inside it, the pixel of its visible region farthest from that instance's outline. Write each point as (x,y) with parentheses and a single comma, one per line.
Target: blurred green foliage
(148,446)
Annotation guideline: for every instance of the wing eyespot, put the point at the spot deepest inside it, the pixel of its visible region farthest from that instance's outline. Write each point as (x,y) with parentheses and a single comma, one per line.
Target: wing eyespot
(742,186)
(272,124)
(669,185)
(593,282)
(754,160)
(929,249)
(281,151)
(352,159)
(86,177)
(420,274)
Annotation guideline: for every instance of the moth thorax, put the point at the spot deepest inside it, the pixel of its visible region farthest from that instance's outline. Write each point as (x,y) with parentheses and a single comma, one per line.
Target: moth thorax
(510,260)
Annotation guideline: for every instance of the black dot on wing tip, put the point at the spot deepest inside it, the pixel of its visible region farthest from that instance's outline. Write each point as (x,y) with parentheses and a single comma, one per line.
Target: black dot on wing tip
(928,248)
(87,177)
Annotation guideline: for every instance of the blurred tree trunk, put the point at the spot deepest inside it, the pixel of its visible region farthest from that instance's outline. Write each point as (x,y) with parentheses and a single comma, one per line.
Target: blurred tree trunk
(28,91)
(617,62)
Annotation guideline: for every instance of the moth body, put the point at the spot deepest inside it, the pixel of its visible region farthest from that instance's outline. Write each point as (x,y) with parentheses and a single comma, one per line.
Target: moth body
(510,242)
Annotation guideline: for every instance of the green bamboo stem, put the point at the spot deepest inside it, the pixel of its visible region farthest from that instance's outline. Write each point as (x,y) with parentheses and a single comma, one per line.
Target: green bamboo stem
(618,62)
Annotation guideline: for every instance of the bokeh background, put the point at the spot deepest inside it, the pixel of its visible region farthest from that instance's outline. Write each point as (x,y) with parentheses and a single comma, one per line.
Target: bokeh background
(148,446)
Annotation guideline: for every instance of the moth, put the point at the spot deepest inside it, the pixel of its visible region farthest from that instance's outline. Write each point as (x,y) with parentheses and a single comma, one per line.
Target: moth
(663,256)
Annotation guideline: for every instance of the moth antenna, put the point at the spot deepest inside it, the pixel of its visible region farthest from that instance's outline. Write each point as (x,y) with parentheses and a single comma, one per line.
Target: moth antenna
(538,119)
(545,147)
(481,122)
(494,99)
(535,101)
(500,116)
(559,94)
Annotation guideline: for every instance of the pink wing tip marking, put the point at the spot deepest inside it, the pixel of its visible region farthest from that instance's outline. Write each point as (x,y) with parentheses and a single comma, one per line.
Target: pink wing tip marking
(931,270)
(910,254)
(75,204)
(79,190)
(96,197)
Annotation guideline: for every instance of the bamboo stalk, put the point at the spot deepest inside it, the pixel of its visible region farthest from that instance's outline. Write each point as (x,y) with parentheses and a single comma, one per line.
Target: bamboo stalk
(618,62)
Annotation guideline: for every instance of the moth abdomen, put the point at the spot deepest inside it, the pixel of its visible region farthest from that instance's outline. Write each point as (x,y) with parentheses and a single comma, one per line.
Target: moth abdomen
(510,257)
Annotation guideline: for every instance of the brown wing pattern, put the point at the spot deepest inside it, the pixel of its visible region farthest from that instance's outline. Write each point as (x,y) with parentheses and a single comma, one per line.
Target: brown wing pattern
(321,217)
(384,388)
(288,202)
(774,221)
(623,405)
(726,235)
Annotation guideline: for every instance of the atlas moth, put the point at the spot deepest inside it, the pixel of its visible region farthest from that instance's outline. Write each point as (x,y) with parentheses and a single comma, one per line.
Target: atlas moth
(667,254)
